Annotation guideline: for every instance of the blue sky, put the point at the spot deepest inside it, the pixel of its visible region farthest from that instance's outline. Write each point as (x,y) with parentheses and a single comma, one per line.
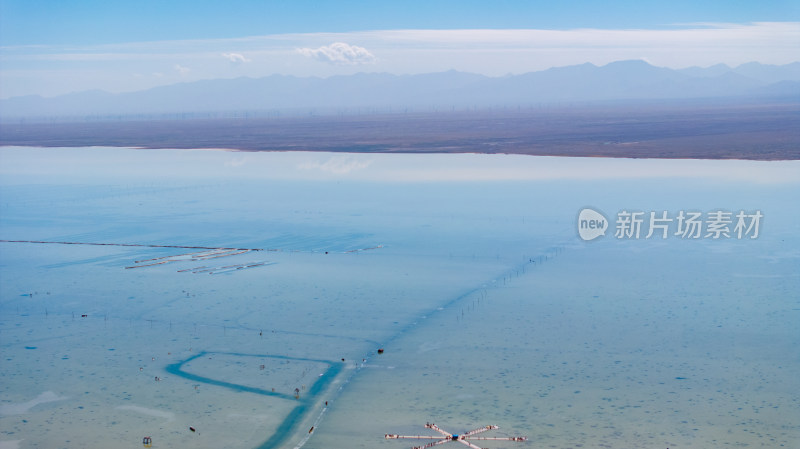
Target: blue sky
(55,47)
(108,21)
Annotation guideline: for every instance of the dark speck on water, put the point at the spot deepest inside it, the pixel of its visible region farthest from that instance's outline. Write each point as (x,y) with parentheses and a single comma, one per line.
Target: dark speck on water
(680,378)
(30,347)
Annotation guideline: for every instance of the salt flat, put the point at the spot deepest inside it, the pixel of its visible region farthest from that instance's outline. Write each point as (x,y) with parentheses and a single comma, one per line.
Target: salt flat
(471,277)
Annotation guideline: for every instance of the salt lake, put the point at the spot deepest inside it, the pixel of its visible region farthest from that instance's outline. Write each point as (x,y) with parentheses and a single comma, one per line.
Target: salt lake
(240,300)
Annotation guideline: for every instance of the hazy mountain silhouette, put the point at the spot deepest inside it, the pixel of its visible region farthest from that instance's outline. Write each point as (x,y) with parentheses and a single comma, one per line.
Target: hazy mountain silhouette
(623,80)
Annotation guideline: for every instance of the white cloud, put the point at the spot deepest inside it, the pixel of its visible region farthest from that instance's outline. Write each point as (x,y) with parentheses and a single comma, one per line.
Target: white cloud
(236,58)
(340,53)
(182,70)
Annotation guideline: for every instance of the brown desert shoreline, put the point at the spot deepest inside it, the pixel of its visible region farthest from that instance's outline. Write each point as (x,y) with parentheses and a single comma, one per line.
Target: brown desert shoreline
(747,132)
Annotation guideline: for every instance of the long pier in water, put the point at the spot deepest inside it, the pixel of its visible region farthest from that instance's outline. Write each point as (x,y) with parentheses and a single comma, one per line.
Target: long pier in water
(140,245)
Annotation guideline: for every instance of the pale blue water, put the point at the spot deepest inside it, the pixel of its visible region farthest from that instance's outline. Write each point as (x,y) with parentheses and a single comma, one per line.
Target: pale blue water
(466,269)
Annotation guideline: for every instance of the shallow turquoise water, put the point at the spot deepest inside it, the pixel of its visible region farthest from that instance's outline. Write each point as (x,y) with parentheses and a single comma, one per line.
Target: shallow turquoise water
(489,307)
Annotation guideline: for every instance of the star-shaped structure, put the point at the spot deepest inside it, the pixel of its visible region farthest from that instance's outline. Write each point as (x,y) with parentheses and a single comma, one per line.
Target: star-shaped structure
(447,436)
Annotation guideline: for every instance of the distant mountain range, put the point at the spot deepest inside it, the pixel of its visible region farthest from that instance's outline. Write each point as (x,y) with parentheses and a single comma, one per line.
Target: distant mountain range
(623,80)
